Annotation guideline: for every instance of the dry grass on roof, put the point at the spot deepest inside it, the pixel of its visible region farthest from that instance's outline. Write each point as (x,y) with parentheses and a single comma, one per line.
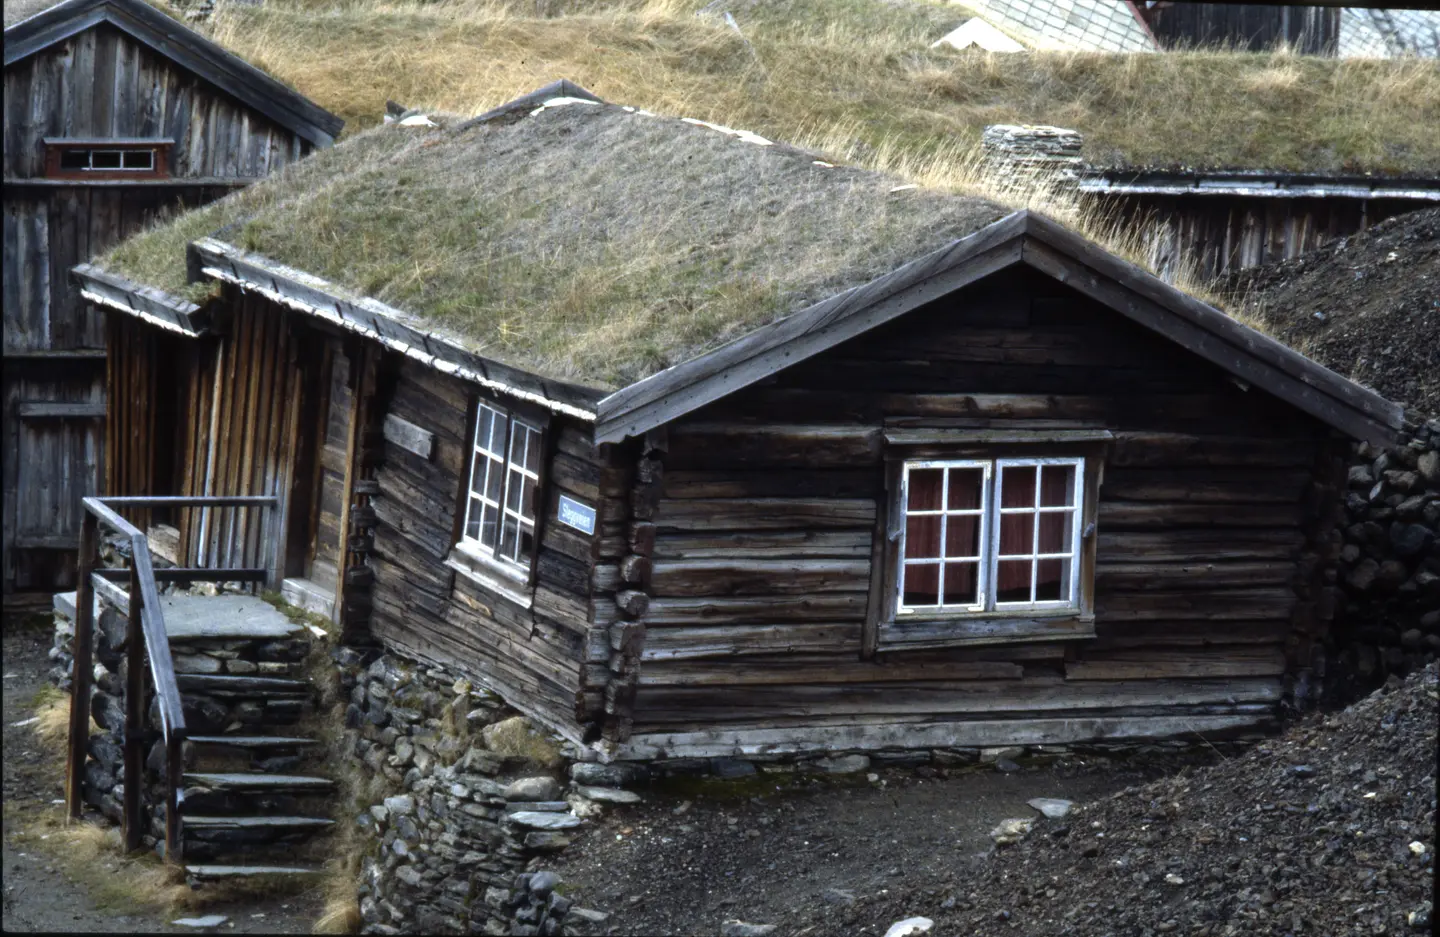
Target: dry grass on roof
(585,242)
(802,67)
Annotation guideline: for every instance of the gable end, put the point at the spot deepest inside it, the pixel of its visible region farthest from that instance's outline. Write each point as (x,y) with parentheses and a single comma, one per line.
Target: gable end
(1039,243)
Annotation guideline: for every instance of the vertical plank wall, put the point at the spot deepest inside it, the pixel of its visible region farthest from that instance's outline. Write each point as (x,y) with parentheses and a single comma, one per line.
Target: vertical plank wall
(762,558)
(98,83)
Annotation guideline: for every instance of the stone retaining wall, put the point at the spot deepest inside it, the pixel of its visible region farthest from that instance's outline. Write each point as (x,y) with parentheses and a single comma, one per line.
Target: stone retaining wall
(1386,586)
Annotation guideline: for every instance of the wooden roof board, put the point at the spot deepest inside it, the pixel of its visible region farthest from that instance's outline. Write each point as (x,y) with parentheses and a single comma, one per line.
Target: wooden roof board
(187,49)
(1022,237)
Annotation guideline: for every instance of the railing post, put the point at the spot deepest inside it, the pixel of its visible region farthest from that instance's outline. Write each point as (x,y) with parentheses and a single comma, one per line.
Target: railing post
(175,775)
(134,711)
(82,669)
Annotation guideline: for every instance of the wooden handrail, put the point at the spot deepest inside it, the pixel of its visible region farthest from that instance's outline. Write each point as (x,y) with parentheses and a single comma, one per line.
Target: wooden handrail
(146,639)
(199,501)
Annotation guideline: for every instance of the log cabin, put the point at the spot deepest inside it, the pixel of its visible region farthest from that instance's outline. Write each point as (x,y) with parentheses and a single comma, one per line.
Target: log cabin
(691,444)
(114,114)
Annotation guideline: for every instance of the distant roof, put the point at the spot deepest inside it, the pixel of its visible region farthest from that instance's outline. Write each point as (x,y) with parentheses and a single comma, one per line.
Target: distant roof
(628,268)
(1082,25)
(1388,34)
(182,45)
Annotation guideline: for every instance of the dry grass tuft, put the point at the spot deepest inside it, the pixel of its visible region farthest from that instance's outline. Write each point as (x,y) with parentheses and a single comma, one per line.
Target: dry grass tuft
(52,707)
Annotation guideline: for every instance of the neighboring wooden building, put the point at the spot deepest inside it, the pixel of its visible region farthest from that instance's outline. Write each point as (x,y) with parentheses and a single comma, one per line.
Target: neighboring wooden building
(114,112)
(1216,223)
(828,463)
(1253,27)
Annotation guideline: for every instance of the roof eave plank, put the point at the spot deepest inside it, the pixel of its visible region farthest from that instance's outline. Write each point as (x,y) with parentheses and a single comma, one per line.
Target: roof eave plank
(391,327)
(1208,345)
(147,303)
(1278,358)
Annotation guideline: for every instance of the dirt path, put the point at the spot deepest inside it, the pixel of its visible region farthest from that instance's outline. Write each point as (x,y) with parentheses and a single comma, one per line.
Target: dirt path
(814,857)
(42,894)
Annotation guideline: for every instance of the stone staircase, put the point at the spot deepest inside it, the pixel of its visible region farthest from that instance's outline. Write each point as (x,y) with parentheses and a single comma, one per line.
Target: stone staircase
(251,804)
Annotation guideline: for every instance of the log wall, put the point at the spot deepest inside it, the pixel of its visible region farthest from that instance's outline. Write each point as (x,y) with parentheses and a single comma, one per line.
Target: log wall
(766,525)
(537,656)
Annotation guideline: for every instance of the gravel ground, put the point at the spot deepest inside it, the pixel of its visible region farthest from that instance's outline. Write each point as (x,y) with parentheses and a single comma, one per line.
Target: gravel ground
(1327,830)
(815,855)
(1367,306)
(42,895)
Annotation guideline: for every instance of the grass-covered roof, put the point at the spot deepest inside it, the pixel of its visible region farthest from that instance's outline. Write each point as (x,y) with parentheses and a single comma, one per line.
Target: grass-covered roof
(584,242)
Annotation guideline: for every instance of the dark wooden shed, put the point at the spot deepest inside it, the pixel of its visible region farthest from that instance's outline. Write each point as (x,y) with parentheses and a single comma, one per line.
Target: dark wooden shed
(114,112)
(827,461)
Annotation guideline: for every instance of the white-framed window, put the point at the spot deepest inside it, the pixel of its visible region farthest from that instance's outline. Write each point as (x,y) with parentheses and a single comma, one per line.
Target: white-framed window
(500,507)
(997,535)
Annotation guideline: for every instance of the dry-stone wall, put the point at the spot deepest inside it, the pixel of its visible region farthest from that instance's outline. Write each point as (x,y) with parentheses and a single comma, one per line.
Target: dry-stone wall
(471,801)
(1388,580)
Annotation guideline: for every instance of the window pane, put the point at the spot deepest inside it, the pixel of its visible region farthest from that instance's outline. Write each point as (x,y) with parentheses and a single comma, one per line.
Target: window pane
(961,581)
(105,159)
(1056,529)
(477,473)
(1012,581)
(495,482)
(74,159)
(527,543)
(1017,486)
(962,535)
(966,486)
(1052,580)
(527,499)
(1057,486)
(508,538)
(496,441)
(472,524)
(525,449)
(488,519)
(922,584)
(484,422)
(138,159)
(924,490)
(515,492)
(922,536)
(1017,534)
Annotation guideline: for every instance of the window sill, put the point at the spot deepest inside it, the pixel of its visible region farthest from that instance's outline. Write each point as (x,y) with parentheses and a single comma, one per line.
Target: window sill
(490,576)
(970,631)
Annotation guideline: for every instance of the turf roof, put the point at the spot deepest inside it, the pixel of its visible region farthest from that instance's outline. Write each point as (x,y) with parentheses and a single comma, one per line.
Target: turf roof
(583,242)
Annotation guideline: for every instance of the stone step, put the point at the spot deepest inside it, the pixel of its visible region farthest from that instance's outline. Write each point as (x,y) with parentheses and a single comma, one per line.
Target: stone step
(222,685)
(215,872)
(253,741)
(259,782)
(278,824)
(211,617)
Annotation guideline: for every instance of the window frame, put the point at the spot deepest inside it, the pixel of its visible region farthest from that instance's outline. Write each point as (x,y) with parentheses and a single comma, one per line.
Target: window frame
(473,557)
(990,512)
(887,628)
(57,148)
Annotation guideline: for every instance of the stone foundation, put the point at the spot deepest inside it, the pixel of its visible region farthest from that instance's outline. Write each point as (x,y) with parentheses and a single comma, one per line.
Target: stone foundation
(473,801)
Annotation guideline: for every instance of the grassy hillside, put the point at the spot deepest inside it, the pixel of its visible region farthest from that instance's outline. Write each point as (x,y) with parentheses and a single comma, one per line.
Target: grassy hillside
(856,77)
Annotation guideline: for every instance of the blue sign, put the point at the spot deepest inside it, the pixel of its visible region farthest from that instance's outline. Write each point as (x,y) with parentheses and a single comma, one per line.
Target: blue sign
(577,515)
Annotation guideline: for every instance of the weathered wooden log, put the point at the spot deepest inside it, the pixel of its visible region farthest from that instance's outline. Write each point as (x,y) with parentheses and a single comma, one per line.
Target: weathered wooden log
(632,602)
